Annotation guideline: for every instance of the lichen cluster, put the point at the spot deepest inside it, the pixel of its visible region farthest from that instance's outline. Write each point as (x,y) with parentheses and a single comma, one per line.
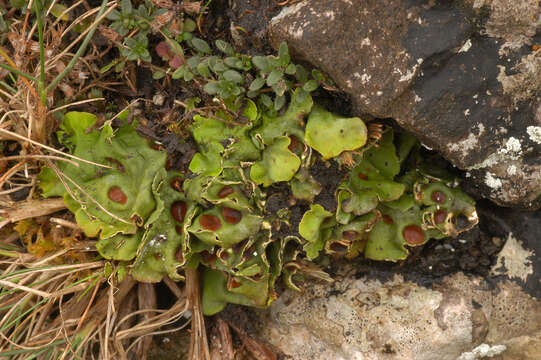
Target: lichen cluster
(158,222)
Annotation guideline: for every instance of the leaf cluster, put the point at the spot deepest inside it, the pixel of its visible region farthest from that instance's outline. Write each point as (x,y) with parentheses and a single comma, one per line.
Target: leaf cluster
(267,79)
(130,18)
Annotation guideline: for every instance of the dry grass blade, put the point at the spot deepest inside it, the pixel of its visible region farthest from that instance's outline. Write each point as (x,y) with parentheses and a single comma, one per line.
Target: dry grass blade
(128,338)
(63,177)
(111,5)
(259,350)
(29,296)
(74,104)
(65,223)
(164,317)
(38,157)
(12,135)
(60,304)
(222,344)
(25,288)
(199,348)
(32,208)
(147,299)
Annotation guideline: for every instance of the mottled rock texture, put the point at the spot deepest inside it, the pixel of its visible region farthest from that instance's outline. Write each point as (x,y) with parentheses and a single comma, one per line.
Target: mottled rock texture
(378,314)
(365,319)
(463,76)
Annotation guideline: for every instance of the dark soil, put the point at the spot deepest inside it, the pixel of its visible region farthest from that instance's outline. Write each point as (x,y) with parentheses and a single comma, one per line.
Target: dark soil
(329,175)
(250,18)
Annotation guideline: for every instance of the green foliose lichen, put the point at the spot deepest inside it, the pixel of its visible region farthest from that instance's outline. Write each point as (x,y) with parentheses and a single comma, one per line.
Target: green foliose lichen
(216,217)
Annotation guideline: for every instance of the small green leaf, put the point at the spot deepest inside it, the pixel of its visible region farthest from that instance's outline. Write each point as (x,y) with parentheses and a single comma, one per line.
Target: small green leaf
(225,47)
(257,84)
(232,75)
(126,7)
(301,96)
(266,100)
(176,48)
(186,36)
(57,11)
(318,75)
(234,62)
(218,66)
(201,45)
(212,87)
(274,77)
(280,87)
(191,103)
(203,70)
(262,63)
(193,61)
(283,54)
(179,73)
(189,25)
(188,75)
(301,74)
(310,86)
(279,102)
(157,75)
(108,67)
(291,69)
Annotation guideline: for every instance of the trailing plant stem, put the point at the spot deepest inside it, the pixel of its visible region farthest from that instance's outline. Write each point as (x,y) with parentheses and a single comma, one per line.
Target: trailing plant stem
(18,72)
(41,84)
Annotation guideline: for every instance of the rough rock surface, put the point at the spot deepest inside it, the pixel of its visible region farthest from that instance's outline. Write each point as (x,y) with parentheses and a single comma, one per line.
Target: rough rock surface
(365,319)
(463,76)
(379,314)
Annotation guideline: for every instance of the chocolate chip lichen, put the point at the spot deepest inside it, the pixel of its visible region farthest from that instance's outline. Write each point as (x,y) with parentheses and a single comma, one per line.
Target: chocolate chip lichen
(216,219)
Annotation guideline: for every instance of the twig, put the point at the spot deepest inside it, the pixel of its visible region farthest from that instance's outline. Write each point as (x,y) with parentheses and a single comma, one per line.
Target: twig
(32,208)
(65,223)
(73,104)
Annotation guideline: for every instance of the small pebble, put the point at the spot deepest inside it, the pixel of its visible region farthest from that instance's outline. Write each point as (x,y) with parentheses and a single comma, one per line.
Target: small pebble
(158,99)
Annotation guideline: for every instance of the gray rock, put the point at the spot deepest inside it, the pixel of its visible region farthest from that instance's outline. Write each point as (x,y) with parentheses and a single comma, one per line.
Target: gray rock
(369,314)
(368,319)
(462,76)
